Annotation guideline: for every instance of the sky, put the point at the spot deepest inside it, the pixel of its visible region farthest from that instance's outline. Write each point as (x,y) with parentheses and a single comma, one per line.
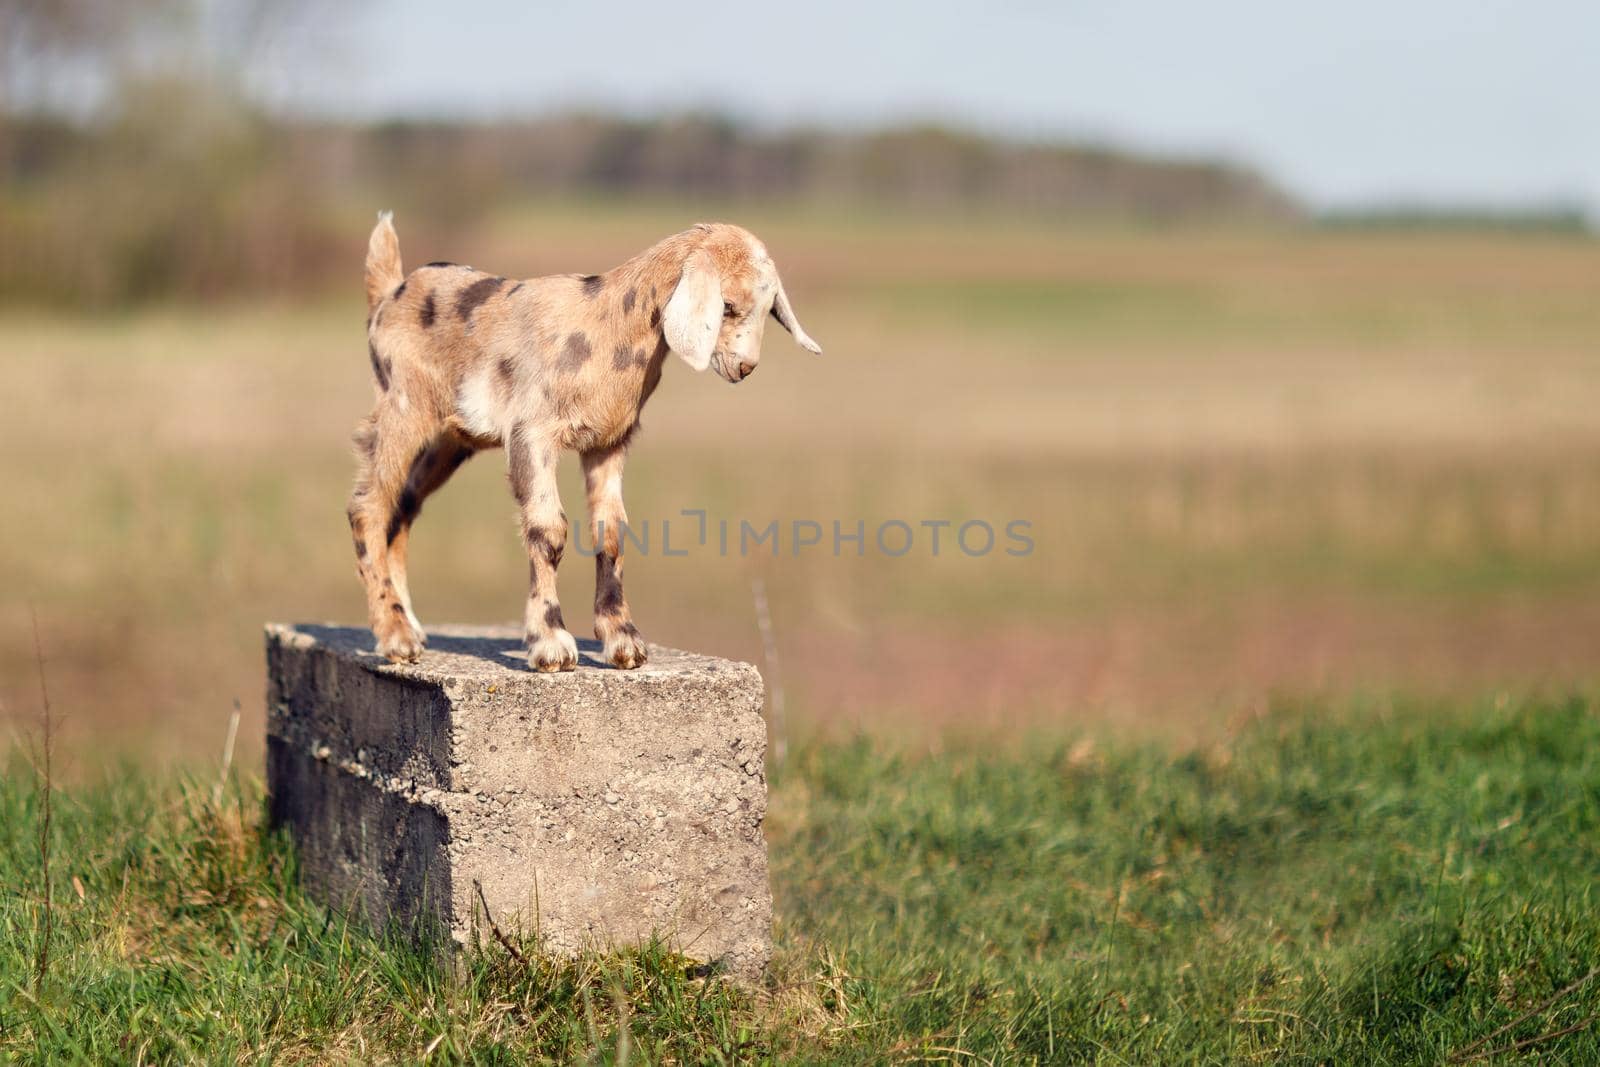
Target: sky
(1469,102)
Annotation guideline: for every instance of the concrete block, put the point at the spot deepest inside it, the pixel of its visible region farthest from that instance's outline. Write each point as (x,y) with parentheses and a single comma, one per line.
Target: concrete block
(598,806)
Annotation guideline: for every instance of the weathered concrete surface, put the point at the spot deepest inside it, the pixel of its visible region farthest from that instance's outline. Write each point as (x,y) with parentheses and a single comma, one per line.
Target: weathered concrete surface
(598,806)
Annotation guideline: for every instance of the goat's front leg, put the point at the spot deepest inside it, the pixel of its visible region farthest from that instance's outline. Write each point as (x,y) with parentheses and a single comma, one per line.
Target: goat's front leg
(532,462)
(613,623)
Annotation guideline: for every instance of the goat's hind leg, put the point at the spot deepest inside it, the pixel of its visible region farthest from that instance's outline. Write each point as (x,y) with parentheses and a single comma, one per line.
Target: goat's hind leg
(435,462)
(387,447)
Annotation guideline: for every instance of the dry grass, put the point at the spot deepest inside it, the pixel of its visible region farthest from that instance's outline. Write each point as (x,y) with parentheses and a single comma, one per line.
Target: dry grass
(1254,462)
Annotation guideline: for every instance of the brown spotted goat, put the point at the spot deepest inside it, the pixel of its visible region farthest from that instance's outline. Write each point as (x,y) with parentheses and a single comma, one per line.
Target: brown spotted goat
(465,360)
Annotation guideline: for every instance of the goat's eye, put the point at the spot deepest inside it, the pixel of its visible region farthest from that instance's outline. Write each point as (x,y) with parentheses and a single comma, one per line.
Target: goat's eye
(727,310)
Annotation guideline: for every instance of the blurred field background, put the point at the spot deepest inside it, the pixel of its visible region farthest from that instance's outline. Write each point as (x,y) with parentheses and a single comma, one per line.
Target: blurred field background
(1264,453)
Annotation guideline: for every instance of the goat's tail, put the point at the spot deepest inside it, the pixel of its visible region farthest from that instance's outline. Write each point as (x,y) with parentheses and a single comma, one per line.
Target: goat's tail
(383,261)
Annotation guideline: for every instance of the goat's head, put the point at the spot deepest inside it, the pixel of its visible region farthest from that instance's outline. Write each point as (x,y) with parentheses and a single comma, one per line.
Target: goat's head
(718,312)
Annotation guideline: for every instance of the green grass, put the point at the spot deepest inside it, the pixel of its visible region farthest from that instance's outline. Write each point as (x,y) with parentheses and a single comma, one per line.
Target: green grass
(1379,885)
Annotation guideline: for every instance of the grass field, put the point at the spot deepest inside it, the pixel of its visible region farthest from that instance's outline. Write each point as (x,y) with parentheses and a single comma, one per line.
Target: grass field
(1356,884)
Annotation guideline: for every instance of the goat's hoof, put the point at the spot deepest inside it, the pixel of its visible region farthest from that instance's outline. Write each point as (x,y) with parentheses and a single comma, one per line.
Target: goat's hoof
(556,652)
(624,648)
(402,645)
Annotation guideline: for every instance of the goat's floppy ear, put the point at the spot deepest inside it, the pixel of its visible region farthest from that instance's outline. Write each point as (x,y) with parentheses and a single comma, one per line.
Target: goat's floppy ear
(784,313)
(692,319)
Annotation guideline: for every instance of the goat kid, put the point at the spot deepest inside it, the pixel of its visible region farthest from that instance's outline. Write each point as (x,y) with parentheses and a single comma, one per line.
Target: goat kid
(463,360)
